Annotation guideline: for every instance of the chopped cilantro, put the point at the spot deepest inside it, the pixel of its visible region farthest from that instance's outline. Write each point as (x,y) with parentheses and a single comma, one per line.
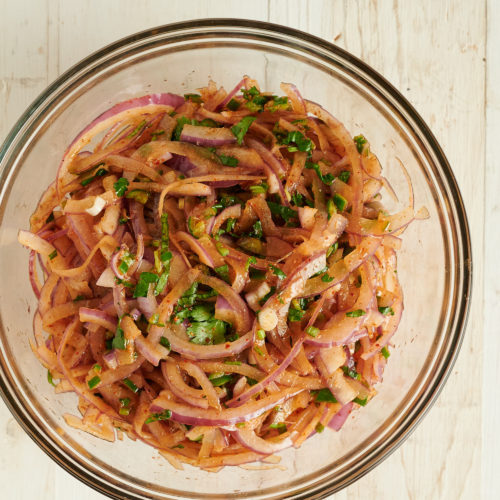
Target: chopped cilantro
(138,195)
(344,176)
(164,342)
(155,417)
(360,142)
(279,426)
(233,104)
(131,385)
(386,311)
(340,201)
(53,255)
(230,161)
(298,142)
(121,186)
(325,396)
(193,98)
(355,314)
(277,272)
(207,332)
(49,378)
(286,213)
(326,178)
(360,402)
(385,352)
(145,279)
(223,272)
(259,188)
(93,382)
(251,260)
(312,331)
(240,129)
(351,372)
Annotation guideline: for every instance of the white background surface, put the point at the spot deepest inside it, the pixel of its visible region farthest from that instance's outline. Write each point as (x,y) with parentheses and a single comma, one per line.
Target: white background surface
(445,58)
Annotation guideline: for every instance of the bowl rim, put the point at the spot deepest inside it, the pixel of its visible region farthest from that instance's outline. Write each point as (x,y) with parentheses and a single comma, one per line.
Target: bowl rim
(224,25)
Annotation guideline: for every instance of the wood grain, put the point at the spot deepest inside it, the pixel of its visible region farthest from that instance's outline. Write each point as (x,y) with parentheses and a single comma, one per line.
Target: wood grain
(434,52)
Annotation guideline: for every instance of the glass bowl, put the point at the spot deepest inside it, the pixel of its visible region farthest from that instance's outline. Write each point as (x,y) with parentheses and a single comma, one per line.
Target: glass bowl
(434,263)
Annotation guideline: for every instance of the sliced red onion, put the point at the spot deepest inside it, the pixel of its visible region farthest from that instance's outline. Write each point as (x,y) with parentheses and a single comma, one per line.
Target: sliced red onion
(255,389)
(298,104)
(196,247)
(223,310)
(197,416)
(243,318)
(232,93)
(34,282)
(340,417)
(196,351)
(250,440)
(233,212)
(190,395)
(98,317)
(153,353)
(207,136)
(166,99)
(110,359)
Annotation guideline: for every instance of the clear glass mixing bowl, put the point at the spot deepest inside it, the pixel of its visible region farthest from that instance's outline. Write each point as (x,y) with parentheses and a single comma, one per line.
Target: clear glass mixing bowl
(434,264)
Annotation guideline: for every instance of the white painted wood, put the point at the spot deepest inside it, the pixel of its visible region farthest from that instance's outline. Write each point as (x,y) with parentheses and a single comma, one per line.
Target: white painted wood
(491,368)
(434,53)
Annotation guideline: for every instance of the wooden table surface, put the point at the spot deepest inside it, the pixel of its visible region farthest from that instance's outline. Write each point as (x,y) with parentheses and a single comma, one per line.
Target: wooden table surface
(444,57)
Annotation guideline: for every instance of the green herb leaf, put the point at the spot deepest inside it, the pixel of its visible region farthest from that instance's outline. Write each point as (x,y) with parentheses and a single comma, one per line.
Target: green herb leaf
(259,188)
(325,396)
(119,341)
(256,231)
(257,274)
(131,385)
(386,311)
(250,93)
(223,272)
(279,426)
(298,142)
(137,129)
(355,314)
(138,195)
(49,378)
(319,427)
(251,381)
(121,186)
(340,201)
(325,179)
(385,352)
(229,161)
(233,104)
(278,104)
(286,213)
(93,382)
(260,334)
(207,332)
(250,261)
(142,287)
(277,272)
(264,299)
(240,129)
(218,381)
(344,176)
(332,249)
(351,372)
(53,255)
(312,331)
(221,249)
(360,402)
(326,278)
(155,417)
(360,142)
(193,98)
(295,314)
(202,312)
(165,342)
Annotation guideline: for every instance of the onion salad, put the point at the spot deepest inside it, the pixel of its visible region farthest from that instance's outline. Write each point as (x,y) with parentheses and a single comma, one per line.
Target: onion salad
(216,274)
